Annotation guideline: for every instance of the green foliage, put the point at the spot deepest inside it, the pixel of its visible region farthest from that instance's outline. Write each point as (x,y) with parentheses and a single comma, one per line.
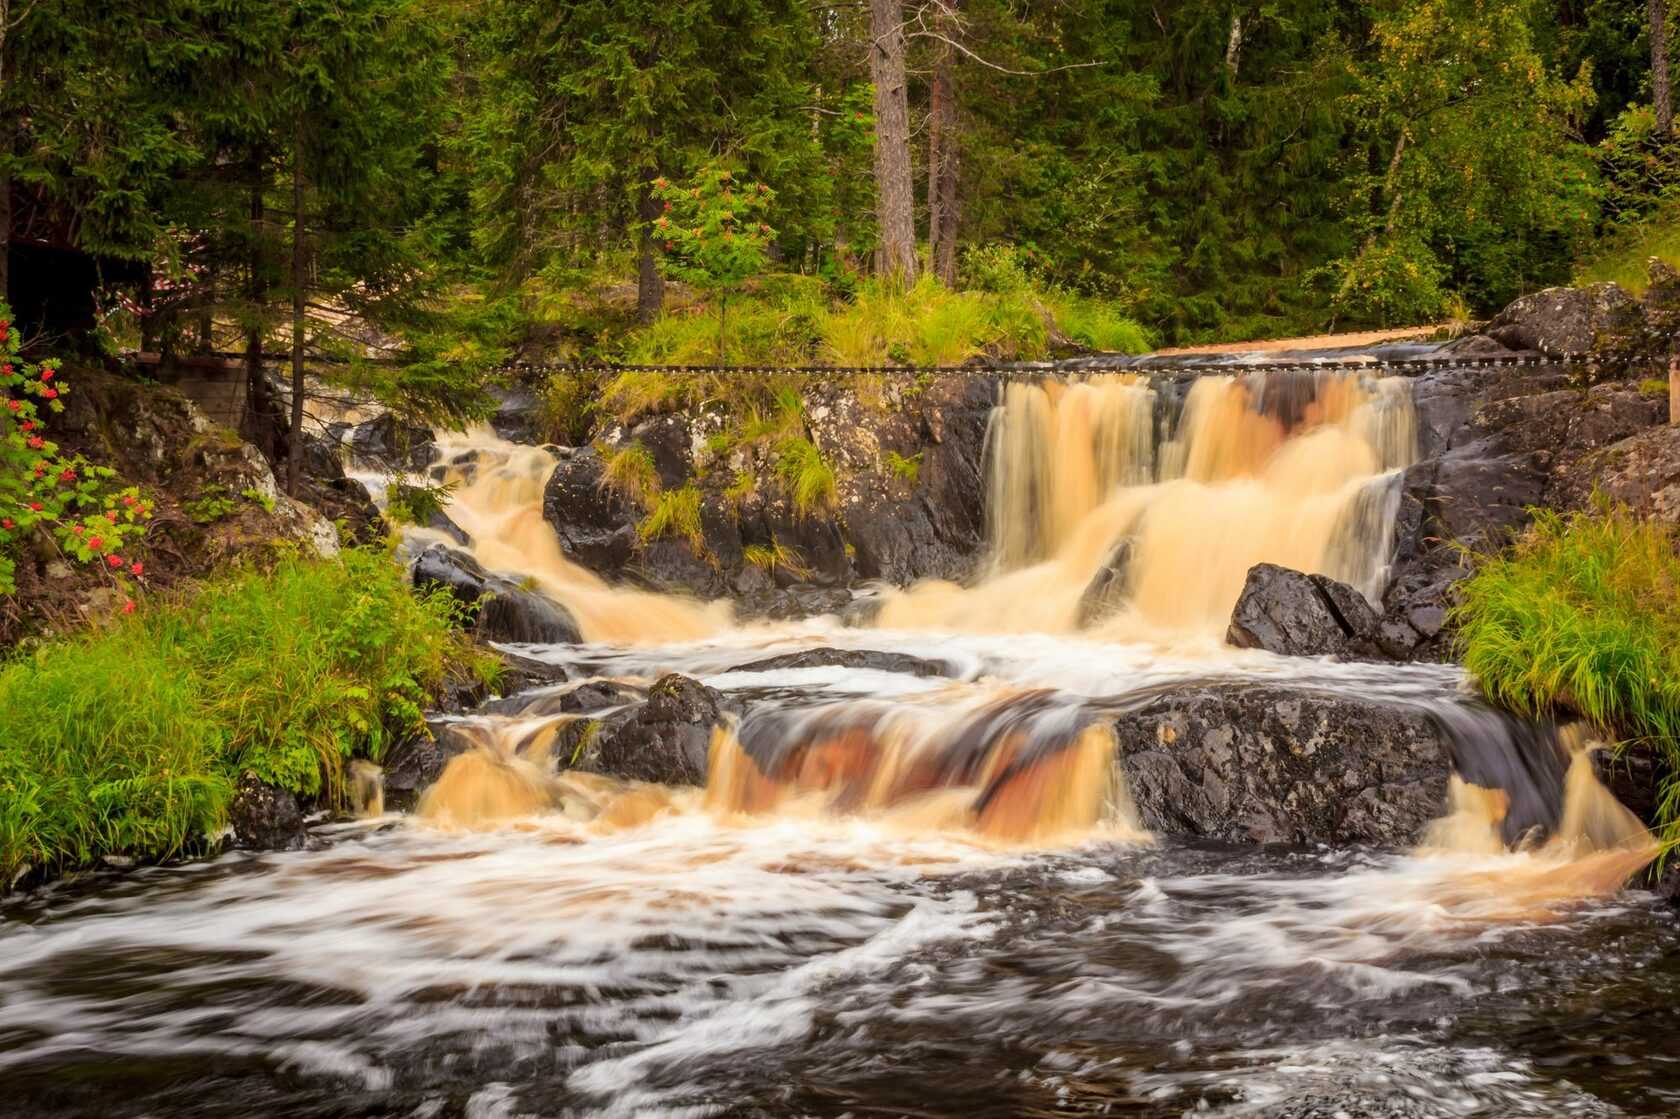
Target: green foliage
(675,513)
(409,504)
(805,475)
(630,473)
(906,470)
(64,500)
(776,556)
(128,740)
(211,505)
(1583,616)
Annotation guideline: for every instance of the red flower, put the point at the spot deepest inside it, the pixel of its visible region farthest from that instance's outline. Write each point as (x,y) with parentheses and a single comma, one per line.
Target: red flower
(76,530)
(137,567)
(50,394)
(28,425)
(34,506)
(68,475)
(6,522)
(47,374)
(114,560)
(95,543)
(14,405)
(111,515)
(667,207)
(36,442)
(128,607)
(128,499)
(6,370)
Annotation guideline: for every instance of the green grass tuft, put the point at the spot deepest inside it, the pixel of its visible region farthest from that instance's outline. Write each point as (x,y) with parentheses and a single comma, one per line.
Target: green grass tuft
(905,469)
(630,473)
(776,556)
(1582,615)
(128,740)
(676,513)
(805,475)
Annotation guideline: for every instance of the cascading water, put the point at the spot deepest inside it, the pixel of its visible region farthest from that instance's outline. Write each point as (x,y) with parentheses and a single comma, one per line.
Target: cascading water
(1297,470)
(917,879)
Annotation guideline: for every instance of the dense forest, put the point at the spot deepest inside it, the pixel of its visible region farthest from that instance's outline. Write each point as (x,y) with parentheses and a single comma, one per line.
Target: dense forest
(449,168)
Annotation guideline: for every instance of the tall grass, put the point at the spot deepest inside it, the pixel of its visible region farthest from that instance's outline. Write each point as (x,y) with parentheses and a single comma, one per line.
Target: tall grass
(631,473)
(1624,258)
(676,513)
(806,476)
(128,740)
(1583,616)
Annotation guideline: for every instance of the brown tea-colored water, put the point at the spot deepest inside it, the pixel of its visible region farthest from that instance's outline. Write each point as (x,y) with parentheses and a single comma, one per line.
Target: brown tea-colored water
(899,894)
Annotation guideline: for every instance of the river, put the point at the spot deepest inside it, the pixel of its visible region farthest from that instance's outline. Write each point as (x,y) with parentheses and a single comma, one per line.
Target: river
(900,893)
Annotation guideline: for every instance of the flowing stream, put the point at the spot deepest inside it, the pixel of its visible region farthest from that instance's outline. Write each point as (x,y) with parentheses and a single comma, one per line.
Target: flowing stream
(904,889)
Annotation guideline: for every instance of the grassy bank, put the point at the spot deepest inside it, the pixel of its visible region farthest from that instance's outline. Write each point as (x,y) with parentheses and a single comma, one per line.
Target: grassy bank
(1583,616)
(128,740)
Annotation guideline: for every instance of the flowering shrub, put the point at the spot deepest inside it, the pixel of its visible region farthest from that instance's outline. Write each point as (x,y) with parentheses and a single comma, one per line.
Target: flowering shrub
(713,234)
(63,499)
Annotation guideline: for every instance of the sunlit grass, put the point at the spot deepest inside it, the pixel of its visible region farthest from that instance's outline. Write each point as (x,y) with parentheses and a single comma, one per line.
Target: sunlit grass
(1582,615)
(128,740)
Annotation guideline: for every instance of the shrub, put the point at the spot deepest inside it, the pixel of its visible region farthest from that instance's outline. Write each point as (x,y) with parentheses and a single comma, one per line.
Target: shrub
(1582,615)
(128,740)
(62,500)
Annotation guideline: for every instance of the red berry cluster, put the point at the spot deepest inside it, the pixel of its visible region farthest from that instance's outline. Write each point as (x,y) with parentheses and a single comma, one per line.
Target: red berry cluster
(46,494)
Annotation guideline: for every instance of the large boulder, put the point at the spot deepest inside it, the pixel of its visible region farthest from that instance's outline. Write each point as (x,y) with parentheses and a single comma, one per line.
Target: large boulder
(1254,763)
(1568,320)
(265,817)
(1288,612)
(596,527)
(506,611)
(396,445)
(415,763)
(666,740)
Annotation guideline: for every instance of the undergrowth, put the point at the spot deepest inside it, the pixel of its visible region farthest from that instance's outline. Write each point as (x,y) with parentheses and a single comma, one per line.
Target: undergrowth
(128,740)
(1582,615)
(676,513)
(806,476)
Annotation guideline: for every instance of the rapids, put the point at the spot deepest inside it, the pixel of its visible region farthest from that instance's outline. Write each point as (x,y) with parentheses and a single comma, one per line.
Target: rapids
(905,892)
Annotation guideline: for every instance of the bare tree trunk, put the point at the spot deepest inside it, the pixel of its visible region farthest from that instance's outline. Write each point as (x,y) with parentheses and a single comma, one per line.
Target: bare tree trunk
(1661,95)
(895,197)
(1233,45)
(945,263)
(259,429)
(294,457)
(207,316)
(943,153)
(939,141)
(7,140)
(650,286)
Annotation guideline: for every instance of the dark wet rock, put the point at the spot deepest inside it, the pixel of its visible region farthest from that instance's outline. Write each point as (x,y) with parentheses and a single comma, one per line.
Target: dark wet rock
(1494,443)
(441,522)
(1641,472)
(596,527)
(517,415)
(1108,586)
(588,698)
(1567,320)
(901,663)
(415,763)
(264,817)
(506,611)
(1284,611)
(794,603)
(1253,763)
(386,439)
(667,739)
